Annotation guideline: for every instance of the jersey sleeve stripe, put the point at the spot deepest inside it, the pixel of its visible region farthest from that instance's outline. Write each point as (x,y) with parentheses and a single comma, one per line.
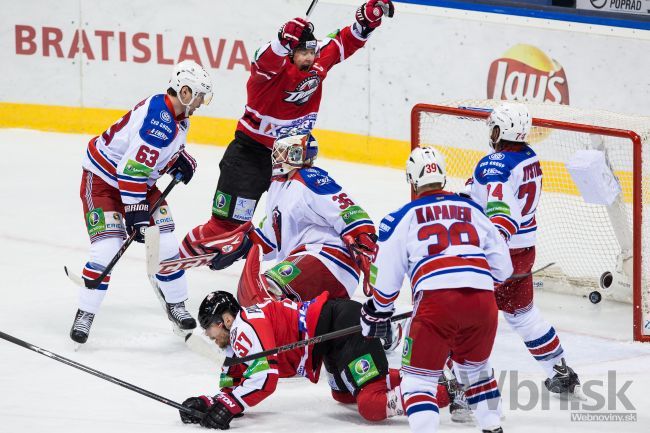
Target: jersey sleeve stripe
(361,226)
(258,237)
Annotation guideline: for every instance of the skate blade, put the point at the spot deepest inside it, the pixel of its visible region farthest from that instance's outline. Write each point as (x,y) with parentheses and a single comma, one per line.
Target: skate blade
(76,346)
(463,417)
(576,395)
(183,333)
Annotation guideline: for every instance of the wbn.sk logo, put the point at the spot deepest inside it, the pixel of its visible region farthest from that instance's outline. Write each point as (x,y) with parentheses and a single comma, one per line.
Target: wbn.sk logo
(600,395)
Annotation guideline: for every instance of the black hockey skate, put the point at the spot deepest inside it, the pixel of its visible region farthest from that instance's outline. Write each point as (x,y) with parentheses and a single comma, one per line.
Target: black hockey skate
(180,316)
(83,320)
(494,430)
(564,381)
(458,406)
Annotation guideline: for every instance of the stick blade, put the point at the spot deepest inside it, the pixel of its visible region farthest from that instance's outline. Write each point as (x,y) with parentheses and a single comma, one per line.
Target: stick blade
(152,248)
(74,277)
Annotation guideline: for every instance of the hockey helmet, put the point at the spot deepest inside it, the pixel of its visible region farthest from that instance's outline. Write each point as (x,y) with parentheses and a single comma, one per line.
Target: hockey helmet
(426,166)
(513,122)
(296,150)
(214,305)
(191,74)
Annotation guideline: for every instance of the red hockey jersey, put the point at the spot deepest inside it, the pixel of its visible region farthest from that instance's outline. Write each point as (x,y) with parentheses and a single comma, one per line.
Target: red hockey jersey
(282,97)
(265,326)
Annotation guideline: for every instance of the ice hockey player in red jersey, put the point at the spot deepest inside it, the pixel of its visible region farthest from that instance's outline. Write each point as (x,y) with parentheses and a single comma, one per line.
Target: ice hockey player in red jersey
(356,367)
(453,255)
(118,186)
(507,184)
(284,92)
(319,236)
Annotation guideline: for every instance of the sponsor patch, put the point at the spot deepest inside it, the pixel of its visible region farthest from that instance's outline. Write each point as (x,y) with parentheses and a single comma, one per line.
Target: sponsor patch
(407,350)
(221,204)
(373,274)
(226,381)
(363,369)
(244,209)
(162,216)
(497,207)
(353,213)
(284,272)
(95,221)
(136,169)
(260,364)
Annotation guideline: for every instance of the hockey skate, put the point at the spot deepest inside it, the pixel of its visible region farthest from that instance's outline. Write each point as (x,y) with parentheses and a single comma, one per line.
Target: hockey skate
(180,317)
(394,404)
(493,430)
(81,326)
(458,406)
(565,381)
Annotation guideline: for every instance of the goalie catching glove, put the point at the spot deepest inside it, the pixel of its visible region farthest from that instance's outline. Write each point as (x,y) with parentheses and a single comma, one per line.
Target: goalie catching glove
(363,249)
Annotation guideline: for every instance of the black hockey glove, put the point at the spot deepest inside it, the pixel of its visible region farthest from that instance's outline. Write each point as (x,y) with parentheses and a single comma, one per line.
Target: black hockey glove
(223,260)
(137,219)
(375,323)
(220,414)
(202,404)
(185,165)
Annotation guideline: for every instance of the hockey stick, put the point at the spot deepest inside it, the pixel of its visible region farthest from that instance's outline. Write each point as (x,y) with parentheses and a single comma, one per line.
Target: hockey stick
(527,274)
(311,8)
(302,343)
(94,283)
(101,375)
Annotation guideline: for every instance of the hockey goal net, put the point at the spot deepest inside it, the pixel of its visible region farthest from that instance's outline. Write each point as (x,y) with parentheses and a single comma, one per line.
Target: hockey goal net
(594,247)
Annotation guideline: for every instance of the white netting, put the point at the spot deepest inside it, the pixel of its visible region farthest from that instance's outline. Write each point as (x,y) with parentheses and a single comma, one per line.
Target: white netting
(583,240)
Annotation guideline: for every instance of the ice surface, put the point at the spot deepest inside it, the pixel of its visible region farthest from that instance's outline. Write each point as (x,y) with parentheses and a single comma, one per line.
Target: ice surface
(42,229)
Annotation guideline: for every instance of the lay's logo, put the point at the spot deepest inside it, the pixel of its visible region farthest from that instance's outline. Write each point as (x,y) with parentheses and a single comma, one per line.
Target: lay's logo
(526,73)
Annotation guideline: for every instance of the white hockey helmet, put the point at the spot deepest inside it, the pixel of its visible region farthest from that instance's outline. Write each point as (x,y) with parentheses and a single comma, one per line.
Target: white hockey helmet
(426,166)
(296,150)
(191,74)
(514,122)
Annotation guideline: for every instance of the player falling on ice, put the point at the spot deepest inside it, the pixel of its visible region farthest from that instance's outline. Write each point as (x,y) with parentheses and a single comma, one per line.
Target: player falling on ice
(284,92)
(320,238)
(120,170)
(508,185)
(453,255)
(356,367)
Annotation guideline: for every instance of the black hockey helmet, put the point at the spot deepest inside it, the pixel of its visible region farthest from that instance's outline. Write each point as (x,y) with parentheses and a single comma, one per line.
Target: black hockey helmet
(214,305)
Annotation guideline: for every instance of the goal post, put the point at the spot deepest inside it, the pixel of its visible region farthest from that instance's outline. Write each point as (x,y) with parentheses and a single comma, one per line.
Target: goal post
(599,239)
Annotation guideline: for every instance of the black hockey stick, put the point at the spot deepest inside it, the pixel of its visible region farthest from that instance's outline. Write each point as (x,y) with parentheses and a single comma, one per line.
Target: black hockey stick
(527,274)
(94,283)
(311,8)
(71,363)
(302,343)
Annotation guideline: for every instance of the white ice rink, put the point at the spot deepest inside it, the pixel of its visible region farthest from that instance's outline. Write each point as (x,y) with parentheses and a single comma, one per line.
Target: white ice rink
(42,229)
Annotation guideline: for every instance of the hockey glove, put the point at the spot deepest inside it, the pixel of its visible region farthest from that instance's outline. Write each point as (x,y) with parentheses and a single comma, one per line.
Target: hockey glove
(290,32)
(137,219)
(220,414)
(369,14)
(185,165)
(375,323)
(363,249)
(202,404)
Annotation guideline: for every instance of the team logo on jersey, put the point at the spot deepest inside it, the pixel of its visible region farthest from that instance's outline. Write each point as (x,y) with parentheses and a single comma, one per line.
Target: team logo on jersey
(303,91)
(277,227)
(165,117)
(497,156)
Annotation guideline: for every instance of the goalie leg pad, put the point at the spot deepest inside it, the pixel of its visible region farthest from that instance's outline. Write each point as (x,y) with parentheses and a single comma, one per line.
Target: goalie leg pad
(191,244)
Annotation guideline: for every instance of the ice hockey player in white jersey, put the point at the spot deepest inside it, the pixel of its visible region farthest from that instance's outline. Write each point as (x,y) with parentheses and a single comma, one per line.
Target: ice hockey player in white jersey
(507,184)
(319,236)
(118,186)
(453,255)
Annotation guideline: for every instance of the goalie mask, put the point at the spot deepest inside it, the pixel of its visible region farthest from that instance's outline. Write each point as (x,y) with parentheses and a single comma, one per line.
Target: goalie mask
(294,151)
(214,305)
(509,122)
(426,166)
(191,74)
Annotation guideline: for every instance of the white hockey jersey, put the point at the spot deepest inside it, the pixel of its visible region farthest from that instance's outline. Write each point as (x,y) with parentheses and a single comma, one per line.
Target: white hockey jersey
(442,241)
(508,185)
(136,150)
(308,214)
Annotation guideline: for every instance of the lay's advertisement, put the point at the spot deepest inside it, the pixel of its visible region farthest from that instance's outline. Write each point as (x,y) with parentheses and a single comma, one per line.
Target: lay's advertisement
(78,67)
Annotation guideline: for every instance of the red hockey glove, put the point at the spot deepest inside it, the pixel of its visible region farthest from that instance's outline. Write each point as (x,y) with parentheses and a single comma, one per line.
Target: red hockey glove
(369,14)
(363,249)
(290,32)
(223,410)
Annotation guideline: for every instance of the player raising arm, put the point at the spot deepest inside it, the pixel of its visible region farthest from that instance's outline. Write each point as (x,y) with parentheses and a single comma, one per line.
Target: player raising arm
(283,92)
(118,186)
(507,184)
(453,256)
